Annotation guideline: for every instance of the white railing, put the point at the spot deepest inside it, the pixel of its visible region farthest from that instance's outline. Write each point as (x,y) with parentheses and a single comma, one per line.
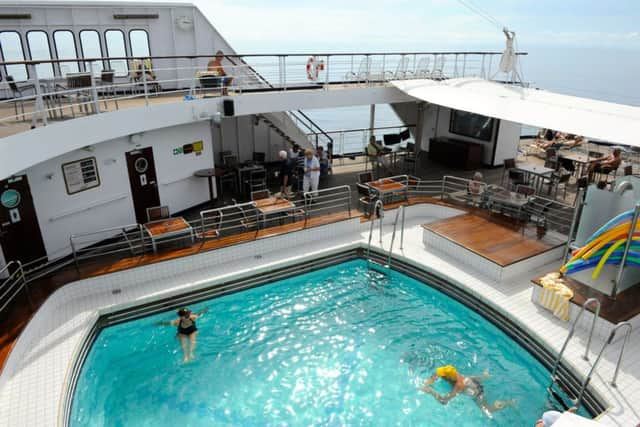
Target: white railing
(155,79)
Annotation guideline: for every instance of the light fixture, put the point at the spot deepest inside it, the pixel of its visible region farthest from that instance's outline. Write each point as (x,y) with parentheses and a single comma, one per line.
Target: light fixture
(89,148)
(49,176)
(135,138)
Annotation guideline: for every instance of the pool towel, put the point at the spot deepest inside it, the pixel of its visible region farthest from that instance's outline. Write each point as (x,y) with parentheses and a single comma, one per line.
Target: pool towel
(555,297)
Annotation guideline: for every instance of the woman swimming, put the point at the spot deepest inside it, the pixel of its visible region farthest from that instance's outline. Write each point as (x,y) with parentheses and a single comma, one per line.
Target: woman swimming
(187,331)
(470,385)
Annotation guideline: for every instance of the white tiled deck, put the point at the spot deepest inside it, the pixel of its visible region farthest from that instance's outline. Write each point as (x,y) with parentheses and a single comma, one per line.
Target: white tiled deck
(33,383)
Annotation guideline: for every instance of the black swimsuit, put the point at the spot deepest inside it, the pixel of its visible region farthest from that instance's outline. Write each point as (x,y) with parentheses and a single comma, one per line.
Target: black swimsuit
(189,329)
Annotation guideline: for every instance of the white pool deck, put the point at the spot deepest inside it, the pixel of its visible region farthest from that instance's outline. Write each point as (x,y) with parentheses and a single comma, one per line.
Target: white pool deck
(33,383)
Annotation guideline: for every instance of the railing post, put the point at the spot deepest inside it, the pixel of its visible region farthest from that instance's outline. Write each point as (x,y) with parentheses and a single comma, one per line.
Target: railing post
(464,64)
(94,91)
(625,254)
(39,109)
(596,314)
(144,84)
(326,77)
(284,72)
(142,244)
(402,229)
(624,343)
(384,60)
(574,223)
(73,251)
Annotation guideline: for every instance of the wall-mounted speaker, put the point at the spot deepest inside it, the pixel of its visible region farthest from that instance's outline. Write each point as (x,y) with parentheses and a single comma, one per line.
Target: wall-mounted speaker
(227,107)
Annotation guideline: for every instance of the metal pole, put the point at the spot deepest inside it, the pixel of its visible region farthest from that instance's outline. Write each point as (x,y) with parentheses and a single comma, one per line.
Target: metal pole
(144,84)
(574,224)
(402,230)
(596,314)
(372,119)
(326,77)
(380,218)
(94,91)
(284,72)
(624,343)
(39,107)
(393,235)
(627,246)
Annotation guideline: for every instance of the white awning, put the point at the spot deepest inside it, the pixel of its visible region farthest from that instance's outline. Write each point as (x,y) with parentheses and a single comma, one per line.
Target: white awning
(616,123)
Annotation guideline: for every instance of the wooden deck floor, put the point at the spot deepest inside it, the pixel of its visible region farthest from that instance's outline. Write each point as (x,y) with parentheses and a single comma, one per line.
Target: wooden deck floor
(492,237)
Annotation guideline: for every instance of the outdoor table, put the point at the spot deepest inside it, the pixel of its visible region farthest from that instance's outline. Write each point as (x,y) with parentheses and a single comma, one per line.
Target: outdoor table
(209,174)
(512,201)
(386,186)
(539,173)
(169,227)
(272,205)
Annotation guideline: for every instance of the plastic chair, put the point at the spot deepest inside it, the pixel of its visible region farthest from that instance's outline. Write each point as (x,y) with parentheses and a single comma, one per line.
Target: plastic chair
(365,177)
(157,213)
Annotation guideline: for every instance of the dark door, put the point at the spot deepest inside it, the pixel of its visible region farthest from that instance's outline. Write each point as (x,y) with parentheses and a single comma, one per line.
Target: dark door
(144,185)
(20,235)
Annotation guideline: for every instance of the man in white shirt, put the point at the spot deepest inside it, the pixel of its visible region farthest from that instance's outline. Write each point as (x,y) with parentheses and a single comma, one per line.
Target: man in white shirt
(311,172)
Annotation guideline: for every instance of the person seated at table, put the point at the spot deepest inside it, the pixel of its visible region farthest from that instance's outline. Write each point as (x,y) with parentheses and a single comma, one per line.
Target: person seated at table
(150,76)
(376,153)
(605,164)
(215,66)
(475,186)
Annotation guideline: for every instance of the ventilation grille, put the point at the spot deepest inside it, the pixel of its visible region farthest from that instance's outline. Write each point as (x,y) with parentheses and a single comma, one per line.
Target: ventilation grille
(136,16)
(15,16)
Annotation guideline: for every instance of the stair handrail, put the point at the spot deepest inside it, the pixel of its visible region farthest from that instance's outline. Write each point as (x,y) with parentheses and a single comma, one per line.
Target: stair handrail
(393,235)
(378,208)
(624,343)
(10,282)
(556,364)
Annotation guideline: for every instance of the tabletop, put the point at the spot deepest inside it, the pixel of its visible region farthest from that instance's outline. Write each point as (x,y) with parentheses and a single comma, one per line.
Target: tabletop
(167,226)
(510,197)
(534,169)
(273,204)
(386,185)
(205,173)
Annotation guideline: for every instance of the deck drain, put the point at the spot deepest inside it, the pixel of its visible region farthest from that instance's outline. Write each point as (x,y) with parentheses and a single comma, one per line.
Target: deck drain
(116,291)
(258,256)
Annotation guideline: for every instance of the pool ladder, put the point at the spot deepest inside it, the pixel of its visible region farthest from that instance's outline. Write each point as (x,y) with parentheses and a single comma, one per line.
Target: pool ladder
(379,210)
(585,356)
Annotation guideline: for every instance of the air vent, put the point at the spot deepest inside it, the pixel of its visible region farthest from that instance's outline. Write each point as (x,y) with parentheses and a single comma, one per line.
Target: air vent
(15,16)
(137,16)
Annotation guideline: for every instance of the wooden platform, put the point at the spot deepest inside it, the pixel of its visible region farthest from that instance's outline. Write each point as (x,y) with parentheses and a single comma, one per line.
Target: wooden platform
(624,307)
(493,238)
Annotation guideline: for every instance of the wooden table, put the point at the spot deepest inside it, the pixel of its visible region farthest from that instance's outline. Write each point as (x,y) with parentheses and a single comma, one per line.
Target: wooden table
(273,205)
(386,186)
(170,227)
(540,173)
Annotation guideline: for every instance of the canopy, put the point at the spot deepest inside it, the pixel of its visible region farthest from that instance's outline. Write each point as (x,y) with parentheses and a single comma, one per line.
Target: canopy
(607,121)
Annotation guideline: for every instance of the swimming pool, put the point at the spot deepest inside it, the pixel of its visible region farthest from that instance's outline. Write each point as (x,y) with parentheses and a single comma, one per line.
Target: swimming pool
(338,346)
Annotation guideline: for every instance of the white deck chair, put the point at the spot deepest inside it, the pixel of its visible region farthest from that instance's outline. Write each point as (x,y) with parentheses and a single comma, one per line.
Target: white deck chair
(363,70)
(401,70)
(422,69)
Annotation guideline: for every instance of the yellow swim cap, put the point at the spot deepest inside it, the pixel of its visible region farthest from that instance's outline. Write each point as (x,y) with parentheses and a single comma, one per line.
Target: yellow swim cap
(448,372)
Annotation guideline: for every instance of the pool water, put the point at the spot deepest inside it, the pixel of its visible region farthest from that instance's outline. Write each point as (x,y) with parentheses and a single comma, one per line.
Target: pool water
(338,346)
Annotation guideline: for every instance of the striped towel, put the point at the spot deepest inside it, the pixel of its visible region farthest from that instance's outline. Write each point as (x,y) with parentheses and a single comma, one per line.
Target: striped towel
(555,297)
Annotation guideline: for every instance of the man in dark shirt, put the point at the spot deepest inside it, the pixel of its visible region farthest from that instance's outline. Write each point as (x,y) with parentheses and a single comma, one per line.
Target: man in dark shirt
(286,171)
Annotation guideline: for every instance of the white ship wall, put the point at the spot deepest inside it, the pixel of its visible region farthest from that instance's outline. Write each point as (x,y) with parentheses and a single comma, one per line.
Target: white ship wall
(111,204)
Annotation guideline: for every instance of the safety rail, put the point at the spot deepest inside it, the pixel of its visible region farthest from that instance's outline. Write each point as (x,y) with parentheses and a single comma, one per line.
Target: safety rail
(13,284)
(316,135)
(327,201)
(353,142)
(158,79)
(128,238)
(378,209)
(399,212)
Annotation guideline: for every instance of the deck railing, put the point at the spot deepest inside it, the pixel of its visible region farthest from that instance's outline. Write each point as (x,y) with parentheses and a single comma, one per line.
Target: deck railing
(41,98)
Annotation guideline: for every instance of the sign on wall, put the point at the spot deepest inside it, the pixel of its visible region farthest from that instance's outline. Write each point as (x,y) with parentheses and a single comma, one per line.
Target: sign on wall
(194,147)
(81,175)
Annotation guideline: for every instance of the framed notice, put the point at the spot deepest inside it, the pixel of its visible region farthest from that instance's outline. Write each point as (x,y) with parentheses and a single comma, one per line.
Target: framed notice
(81,175)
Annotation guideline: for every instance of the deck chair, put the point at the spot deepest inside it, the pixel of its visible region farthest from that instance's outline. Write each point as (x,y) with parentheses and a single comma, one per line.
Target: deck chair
(156,213)
(401,70)
(422,69)
(363,71)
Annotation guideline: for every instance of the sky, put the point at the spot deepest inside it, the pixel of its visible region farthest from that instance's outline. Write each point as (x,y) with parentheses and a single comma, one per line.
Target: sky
(424,24)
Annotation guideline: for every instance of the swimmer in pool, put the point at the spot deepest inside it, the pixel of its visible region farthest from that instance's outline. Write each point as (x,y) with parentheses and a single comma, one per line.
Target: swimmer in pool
(187,331)
(470,385)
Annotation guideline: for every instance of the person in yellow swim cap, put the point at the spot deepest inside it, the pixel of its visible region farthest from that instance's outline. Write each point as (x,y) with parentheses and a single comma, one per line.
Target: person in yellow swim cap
(470,385)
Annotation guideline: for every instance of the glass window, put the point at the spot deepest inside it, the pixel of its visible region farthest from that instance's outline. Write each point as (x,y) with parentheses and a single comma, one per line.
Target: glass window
(90,45)
(115,48)
(66,49)
(38,43)
(139,42)
(11,47)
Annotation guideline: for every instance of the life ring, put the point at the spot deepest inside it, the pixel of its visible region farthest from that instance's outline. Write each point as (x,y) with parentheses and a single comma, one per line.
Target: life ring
(314,67)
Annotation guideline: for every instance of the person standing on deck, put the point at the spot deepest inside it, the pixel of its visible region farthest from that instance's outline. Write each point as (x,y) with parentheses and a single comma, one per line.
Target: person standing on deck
(286,172)
(311,172)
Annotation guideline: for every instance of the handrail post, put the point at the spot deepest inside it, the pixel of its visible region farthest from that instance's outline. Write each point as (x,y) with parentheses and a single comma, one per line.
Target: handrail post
(94,90)
(627,246)
(326,77)
(402,229)
(624,343)
(393,235)
(380,216)
(39,103)
(144,83)
(574,223)
(142,243)
(596,314)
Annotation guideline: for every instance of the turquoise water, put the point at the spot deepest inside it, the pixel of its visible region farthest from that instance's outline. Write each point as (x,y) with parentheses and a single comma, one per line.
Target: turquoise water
(333,347)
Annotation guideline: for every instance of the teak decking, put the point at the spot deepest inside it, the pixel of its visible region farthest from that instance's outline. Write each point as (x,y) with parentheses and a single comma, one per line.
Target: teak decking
(500,243)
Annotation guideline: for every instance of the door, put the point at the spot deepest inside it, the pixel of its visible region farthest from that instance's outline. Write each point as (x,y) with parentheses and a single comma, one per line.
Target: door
(144,185)
(20,235)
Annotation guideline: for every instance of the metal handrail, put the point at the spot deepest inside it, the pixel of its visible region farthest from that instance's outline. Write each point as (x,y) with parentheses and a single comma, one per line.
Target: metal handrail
(8,286)
(378,208)
(393,235)
(572,330)
(624,343)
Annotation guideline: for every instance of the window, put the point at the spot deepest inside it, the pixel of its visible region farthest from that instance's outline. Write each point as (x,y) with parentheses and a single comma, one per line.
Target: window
(139,42)
(66,49)
(115,48)
(90,45)
(11,47)
(39,49)
(471,125)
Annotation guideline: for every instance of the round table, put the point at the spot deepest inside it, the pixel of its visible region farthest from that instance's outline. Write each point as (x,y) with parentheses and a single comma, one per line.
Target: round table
(208,173)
